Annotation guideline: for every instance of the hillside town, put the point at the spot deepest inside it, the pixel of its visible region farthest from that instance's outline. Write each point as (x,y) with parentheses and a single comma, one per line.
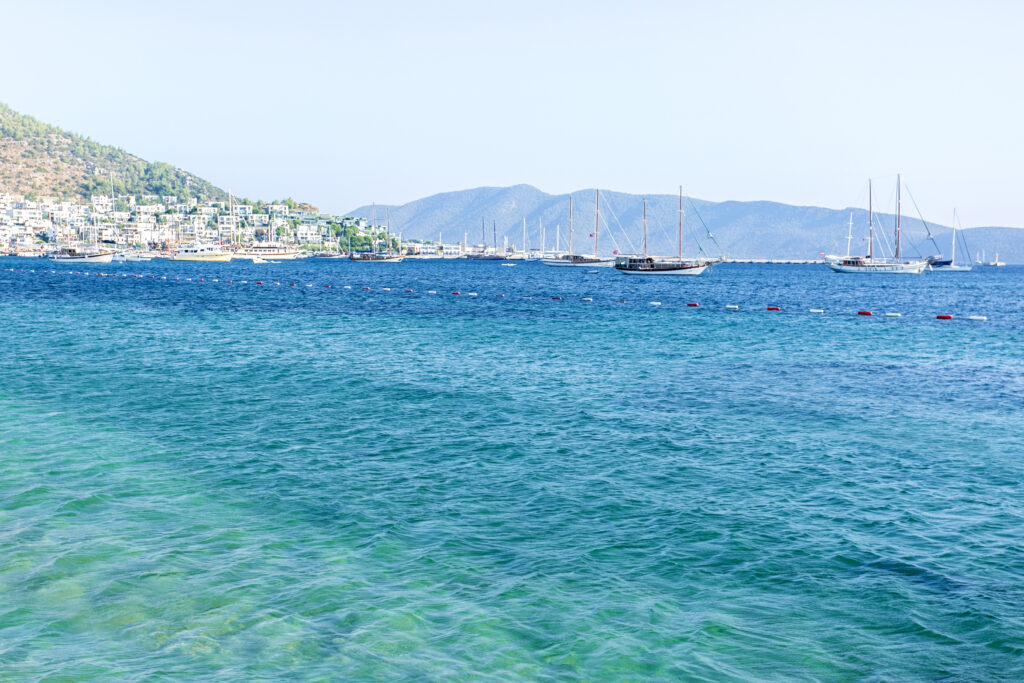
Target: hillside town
(126,221)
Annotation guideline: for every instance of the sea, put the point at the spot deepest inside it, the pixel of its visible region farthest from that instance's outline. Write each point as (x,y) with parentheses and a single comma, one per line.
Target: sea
(455,470)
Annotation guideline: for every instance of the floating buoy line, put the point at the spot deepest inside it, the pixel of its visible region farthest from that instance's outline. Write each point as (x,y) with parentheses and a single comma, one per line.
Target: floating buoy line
(499,295)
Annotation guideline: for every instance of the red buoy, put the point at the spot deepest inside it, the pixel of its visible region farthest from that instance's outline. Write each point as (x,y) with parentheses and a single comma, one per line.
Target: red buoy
(694,305)
(408,291)
(259,282)
(556,298)
(944,317)
(456,293)
(864,313)
(774,308)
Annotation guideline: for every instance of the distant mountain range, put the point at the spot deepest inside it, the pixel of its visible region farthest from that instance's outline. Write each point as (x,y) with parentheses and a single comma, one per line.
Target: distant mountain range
(741,229)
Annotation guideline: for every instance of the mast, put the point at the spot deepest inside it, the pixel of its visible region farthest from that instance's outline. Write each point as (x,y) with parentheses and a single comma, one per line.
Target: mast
(570,224)
(597,217)
(387,228)
(680,223)
(483,234)
(524,236)
(494,236)
(871,225)
(373,227)
(952,260)
(849,236)
(543,238)
(899,183)
(645,227)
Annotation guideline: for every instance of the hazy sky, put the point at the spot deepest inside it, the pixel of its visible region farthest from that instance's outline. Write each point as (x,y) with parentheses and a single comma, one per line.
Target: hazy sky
(344,103)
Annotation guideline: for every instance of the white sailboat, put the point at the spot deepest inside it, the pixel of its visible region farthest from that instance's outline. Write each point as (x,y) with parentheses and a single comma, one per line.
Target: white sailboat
(582,260)
(374,256)
(950,265)
(871,263)
(645,265)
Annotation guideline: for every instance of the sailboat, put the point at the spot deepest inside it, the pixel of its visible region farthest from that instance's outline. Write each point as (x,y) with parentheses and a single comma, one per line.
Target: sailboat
(871,263)
(950,264)
(996,263)
(483,254)
(582,260)
(645,265)
(374,256)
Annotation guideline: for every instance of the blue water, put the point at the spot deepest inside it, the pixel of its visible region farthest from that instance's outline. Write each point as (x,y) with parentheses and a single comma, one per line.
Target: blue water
(234,481)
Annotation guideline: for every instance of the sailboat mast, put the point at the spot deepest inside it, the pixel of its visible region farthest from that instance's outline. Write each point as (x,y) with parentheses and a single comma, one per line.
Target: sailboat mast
(570,224)
(952,259)
(494,236)
(645,227)
(597,217)
(373,226)
(899,184)
(680,223)
(871,224)
(524,236)
(849,236)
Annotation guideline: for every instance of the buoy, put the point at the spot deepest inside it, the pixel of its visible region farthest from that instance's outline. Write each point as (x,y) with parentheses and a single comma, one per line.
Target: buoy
(292,284)
(366,288)
(528,298)
(456,293)
(215,280)
(408,291)
(893,315)
(588,298)
(202,280)
(500,296)
(943,317)
(732,307)
(431,291)
(655,303)
(693,305)
(774,308)
(864,313)
(277,284)
(245,282)
(386,289)
(622,301)
(978,318)
(228,281)
(309,285)
(259,282)
(346,287)
(327,286)
(817,310)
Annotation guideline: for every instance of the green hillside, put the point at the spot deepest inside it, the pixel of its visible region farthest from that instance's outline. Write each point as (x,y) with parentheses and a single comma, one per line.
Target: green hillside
(43,160)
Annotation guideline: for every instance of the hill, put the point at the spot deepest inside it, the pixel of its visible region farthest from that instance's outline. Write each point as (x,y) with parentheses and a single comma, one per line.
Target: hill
(758,229)
(39,159)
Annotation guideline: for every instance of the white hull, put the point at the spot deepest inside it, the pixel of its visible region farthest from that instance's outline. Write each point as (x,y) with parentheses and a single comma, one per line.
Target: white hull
(206,258)
(267,255)
(952,269)
(679,271)
(93,258)
(389,259)
(912,268)
(562,263)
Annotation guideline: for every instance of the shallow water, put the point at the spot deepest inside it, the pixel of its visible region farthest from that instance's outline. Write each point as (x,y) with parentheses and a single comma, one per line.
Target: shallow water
(234,480)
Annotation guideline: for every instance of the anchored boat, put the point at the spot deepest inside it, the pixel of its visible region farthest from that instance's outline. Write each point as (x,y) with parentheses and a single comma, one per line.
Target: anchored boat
(871,263)
(645,265)
(582,260)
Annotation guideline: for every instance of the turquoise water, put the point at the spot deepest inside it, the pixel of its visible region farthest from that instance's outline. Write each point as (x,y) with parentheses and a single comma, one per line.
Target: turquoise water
(233,481)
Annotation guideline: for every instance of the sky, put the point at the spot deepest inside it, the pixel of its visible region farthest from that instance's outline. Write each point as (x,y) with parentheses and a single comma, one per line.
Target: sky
(342,104)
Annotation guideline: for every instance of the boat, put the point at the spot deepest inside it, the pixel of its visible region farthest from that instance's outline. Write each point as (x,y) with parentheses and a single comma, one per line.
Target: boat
(996,263)
(645,265)
(279,252)
(73,255)
(200,252)
(374,256)
(509,265)
(871,263)
(572,260)
(949,265)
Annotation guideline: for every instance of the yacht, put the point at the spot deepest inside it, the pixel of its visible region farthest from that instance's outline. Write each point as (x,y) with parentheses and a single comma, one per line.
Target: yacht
(200,252)
(278,252)
(582,260)
(73,255)
(645,265)
(871,263)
